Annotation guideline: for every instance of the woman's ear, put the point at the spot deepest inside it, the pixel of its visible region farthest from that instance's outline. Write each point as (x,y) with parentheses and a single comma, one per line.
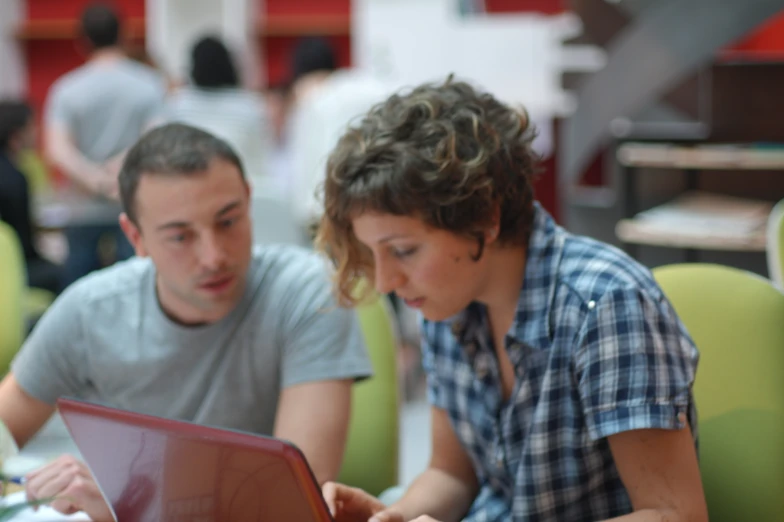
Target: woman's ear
(494,229)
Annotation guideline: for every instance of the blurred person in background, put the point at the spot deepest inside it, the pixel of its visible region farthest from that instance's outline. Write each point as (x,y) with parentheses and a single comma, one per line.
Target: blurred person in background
(18,135)
(93,115)
(559,376)
(325,100)
(216,102)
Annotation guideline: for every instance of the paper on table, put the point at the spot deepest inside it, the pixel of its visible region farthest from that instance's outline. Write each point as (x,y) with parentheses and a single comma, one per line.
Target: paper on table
(43,514)
(706,214)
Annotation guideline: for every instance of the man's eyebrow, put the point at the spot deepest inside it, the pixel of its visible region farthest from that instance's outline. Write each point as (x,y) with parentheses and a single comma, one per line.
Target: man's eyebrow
(228,208)
(173,224)
(182,224)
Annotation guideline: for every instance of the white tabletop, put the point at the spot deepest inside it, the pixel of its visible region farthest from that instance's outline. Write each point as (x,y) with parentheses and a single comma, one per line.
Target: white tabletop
(42,514)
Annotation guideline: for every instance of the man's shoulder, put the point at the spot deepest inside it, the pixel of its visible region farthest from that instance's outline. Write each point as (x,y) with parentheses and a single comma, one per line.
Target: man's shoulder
(72,81)
(122,280)
(289,264)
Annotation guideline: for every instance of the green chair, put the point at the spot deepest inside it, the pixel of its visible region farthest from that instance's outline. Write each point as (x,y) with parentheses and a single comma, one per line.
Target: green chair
(737,321)
(12,296)
(775,244)
(371,459)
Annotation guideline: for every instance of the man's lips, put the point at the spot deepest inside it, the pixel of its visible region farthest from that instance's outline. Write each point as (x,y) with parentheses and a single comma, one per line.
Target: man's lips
(217,283)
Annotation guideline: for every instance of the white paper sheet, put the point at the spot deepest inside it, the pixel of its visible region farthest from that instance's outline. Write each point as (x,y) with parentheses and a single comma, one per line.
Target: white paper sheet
(43,514)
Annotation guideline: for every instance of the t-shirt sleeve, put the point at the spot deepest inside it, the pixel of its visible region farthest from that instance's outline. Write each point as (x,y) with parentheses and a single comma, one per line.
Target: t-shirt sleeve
(321,341)
(52,362)
(57,110)
(635,364)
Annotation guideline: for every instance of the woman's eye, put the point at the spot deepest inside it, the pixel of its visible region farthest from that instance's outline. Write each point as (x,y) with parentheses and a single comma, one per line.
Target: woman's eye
(405,252)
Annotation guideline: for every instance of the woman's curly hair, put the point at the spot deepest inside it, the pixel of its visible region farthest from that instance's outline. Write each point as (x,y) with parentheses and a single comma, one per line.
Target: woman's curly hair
(453,156)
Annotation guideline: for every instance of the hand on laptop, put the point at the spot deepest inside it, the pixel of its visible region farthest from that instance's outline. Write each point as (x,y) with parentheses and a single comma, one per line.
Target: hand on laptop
(349,504)
(70,481)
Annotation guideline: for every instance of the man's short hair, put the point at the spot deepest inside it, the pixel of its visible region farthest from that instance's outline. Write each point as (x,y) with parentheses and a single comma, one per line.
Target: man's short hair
(100,25)
(312,54)
(174,149)
(14,115)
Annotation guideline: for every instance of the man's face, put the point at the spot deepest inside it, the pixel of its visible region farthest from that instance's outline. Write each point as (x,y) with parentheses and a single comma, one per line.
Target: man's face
(196,229)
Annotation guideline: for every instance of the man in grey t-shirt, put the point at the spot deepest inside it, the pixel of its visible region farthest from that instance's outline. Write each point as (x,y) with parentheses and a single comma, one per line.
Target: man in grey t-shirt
(93,115)
(199,327)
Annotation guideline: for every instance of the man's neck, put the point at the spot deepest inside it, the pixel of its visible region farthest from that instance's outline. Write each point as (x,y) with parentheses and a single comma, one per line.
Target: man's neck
(107,55)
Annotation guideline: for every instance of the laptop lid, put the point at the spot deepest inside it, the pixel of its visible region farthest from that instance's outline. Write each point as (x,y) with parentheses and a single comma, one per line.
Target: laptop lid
(155,469)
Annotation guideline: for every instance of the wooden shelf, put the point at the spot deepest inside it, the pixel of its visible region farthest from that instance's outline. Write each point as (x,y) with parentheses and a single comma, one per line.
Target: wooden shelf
(706,157)
(68,29)
(700,221)
(631,231)
(301,25)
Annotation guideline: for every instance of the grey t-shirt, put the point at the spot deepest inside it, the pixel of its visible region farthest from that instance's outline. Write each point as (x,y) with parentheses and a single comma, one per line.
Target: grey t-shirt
(105,106)
(106,339)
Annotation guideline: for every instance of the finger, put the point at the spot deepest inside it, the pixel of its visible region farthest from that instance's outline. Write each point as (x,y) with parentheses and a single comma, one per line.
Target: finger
(388,515)
(64,505)
(52,467)
(52,488)
(330,493)
(53,483)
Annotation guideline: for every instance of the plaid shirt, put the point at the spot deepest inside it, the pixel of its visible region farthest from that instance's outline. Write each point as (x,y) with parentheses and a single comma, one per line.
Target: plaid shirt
(596,349)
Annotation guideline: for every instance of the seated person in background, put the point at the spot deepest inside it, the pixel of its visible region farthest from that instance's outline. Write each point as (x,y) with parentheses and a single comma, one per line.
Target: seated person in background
(199,326)
(17,134)
(216,102)
(559,375)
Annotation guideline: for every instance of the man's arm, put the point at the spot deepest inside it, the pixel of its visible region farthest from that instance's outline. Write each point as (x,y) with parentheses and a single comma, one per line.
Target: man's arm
(322,354)
(22,414)
(314,416)
(61,151)
(659,470)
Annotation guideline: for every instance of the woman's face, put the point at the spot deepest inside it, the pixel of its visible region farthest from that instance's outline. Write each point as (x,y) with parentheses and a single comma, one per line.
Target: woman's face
(431,269)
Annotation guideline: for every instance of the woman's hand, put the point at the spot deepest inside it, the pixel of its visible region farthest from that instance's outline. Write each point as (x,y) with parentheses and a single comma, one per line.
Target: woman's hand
(349,504)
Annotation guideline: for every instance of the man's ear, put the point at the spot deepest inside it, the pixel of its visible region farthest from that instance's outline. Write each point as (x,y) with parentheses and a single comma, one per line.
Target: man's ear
(133,234)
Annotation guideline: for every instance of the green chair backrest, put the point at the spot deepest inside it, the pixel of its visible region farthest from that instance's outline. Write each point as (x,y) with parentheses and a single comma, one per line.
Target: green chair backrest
(775,244)
(13,286)
(36,172)
(371,459)
(737,321)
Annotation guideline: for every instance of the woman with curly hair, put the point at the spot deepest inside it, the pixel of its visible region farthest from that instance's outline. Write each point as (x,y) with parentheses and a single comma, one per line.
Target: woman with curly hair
(558,374)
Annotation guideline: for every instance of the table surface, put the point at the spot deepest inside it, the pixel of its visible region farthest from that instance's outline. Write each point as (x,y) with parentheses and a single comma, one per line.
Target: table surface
(68,207)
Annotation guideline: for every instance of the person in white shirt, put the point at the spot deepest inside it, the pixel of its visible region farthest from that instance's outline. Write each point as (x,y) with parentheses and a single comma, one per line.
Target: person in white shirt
(326,100)
(215,102)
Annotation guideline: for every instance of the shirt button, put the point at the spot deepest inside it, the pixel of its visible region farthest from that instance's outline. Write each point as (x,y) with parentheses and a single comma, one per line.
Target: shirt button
(499,458)
(591,305)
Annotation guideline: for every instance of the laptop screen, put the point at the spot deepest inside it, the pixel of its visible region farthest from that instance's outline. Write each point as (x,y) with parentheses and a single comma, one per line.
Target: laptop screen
(155,469)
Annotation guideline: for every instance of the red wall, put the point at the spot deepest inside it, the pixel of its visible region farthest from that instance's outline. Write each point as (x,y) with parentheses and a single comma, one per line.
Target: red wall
(48,58)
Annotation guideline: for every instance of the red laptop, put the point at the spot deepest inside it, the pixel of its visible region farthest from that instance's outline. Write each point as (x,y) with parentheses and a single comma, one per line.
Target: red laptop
(154,469)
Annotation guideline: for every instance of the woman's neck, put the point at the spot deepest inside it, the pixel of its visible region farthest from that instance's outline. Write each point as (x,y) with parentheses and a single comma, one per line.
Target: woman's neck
(505,275)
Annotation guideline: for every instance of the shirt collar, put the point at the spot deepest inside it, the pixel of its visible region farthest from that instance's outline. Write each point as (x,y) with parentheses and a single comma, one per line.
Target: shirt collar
(532,317)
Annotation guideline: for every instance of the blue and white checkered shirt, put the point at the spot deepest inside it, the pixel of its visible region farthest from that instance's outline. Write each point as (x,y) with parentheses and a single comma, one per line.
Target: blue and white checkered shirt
(597,350)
